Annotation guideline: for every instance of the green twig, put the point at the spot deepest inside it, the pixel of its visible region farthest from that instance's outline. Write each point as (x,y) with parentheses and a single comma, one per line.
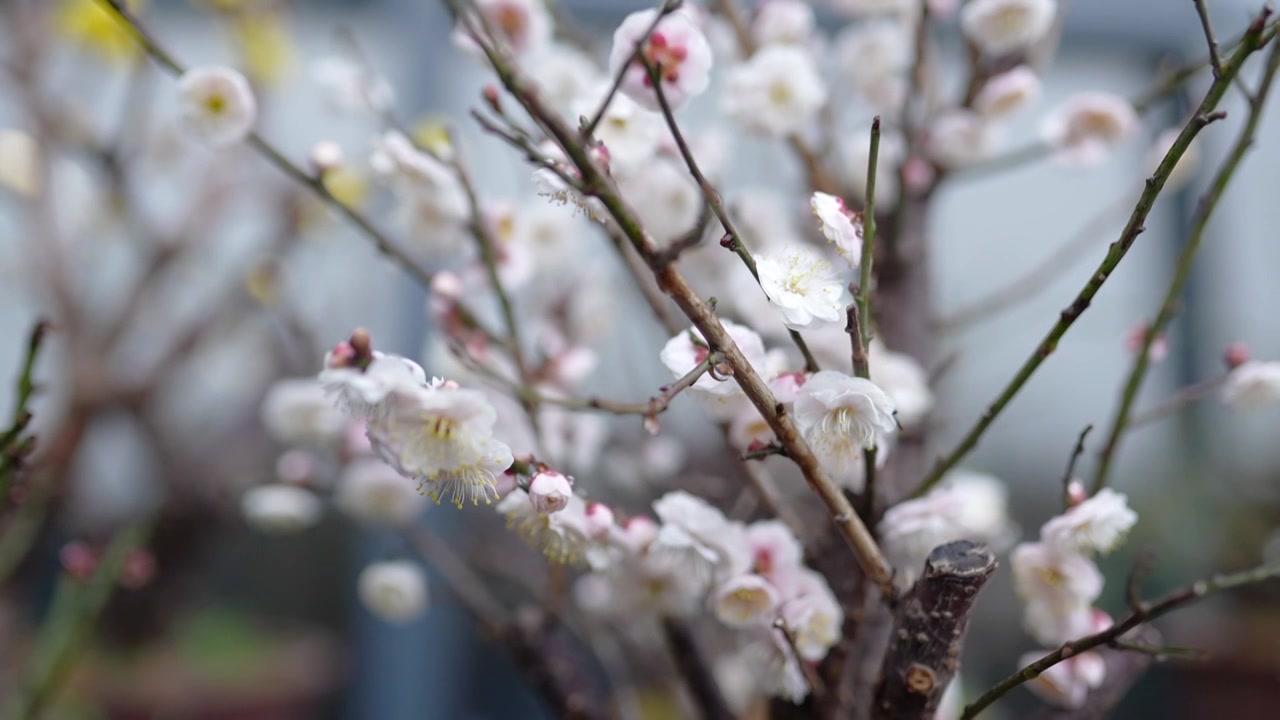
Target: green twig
(1144,613)
(11,448)
(66,632)
(1199,225)
(1203,115)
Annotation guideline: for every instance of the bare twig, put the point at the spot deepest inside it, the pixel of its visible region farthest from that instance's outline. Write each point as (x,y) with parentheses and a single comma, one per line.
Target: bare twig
(1145,613)
(1204,115)
(12,450)
(1215,55)
(1184,397)
(1186,258)
(1076,452)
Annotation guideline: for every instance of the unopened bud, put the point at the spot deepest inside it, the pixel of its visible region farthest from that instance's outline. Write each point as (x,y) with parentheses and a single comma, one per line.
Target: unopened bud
(446,285)
(325,156)
(363,345)
(1236,355)
(139,569)
(549,491)
(342,355)
(638,532)
(599,521)
(295,467)
(491,97)
(1076,493)
(78,560)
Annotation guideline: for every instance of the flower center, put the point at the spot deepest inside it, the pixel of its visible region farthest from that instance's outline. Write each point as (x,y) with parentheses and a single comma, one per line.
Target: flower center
(511,21)
(1010,19)
(780,93)
(665,57)
(216,104)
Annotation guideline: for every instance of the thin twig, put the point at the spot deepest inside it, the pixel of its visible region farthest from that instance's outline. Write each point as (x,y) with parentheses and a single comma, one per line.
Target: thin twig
(12,451)
(851,528)
(1186,259)
(1144,614)
(1184,397)
(1076,452)
(733,239)
(695,668)
(1204,115)
(1215,55)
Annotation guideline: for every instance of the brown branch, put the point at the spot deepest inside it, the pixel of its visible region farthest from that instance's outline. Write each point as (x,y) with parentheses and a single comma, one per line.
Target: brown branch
(673,283)
(1143,614)
(695,670)
(1124,668)
(929,631)
(1070,472)
(1186,258)
(1203,115)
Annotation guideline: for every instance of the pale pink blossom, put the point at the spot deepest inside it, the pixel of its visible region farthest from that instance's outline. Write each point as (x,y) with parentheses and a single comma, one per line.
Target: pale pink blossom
(745,601)
(1004,26)
(1067,684)
(549,492)
(1087,125)
(1006,93)
(676,48)
(1252,385)
(777,92)
(839,225)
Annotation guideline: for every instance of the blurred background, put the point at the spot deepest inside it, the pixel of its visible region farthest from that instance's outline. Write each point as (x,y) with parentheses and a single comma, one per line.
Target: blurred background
(183,286)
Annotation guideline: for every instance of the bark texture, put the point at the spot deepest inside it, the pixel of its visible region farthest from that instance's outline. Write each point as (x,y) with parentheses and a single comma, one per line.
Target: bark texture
(928,632)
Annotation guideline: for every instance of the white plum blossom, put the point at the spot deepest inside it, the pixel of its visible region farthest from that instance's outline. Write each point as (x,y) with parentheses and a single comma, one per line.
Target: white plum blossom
(280,508)
(1097,525)
(869,52)
(298,410)
(1252,385)
(745,601)
(777,92)
(372,491)
(216,105)
(814,620)
(676,48)
(686,350)
(697,538)
(904,380)
(1058,589)
(960,138)
(839,225)
(966,506)
(1087,125)
(631,134)
(1067,684)
(443,438)
(1006,93)
(872,7)
(563,74)
(841,416)
(413,171)
(563,536)
(774,548)
(394,590)
(779,673)
(351,87)
(1004,26)
(803,286)
(363,393)
(523,26)
(664,197)
(783,22)
(549,492)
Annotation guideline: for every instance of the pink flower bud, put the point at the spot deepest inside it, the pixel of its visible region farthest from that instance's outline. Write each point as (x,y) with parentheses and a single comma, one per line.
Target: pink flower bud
(447,285)
(549,491)
(1138,335)
(490,93)
(1076,493)
(918,173)
(139,569)
(1236,355)
(599,521)
(79,560)
(638,532)
(342,355)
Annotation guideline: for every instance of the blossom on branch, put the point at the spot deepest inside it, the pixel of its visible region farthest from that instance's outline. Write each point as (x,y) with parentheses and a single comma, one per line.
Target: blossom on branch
(1058,589)
(777,92)
(216,105)
(1089,124)
(1252,385)
(803,286)
(839,225)
(1097,525)
(676,49)
(1006,93)
(1003,26)
(841,416)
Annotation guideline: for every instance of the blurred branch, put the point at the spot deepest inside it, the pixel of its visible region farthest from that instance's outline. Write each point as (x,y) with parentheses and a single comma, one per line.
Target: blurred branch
(1183,398)
(13,450)
(1039,278)
(1215,56)
(1143,614)
(1199,225)
(67,630)
(695,670)
(674,284)
(1076,452)
(274,156)
(1203,115)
